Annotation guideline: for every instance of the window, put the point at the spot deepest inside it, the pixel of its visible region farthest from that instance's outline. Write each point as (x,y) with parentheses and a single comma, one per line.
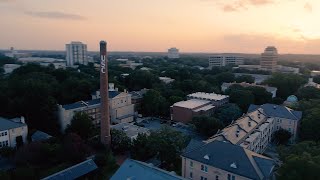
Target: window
(231,177)
(191,163)
(203,178)
(190,175)
(217,177)
(204,168)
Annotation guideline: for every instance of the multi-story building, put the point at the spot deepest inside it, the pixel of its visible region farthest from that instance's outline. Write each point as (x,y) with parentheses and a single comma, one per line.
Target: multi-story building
(137,98)
(12,132)
(222,160)
(184,111)
(284,118)
(224,60)
(120,107)
(269,59)
(272,90)
(76,53)
(173,53)
(216,99)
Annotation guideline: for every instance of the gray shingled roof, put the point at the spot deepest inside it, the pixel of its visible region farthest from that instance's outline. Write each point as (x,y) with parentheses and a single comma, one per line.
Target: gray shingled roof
(6,124)
(132,169)
(75,171)
(40,136)
(274,110)
(79,104)
(223,154)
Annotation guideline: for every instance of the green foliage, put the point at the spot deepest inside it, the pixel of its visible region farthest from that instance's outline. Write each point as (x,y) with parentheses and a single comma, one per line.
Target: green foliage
(155,104)
(227,113)
(74,148)
(7,152)
(243,98)
(301,161)
(4,175)
(207,126)
(310,124)
(261,96)
(107,165)
(245,78)
(120,142)
(81,124)
(141,148)
(277,101)
(24,173)
(316,79)
(287,84)
(308,93)
(281,136)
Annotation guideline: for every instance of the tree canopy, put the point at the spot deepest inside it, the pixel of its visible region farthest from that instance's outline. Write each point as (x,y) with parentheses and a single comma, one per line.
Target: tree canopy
(207,126)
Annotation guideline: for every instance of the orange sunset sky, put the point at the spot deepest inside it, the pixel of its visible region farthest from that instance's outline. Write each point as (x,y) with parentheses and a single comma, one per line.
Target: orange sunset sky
(246,26)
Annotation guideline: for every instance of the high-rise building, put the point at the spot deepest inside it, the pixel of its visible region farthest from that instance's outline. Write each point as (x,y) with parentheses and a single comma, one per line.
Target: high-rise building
(269,59)
(76,53)
(104,93)
(173,53)
(223,60)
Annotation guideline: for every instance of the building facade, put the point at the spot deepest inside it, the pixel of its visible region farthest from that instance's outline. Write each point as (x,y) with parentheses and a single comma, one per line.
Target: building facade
(224,60)
(184,111)
(76,53)
(12,131)
(220,160)
(269,59)
(272,90)
(120,107)
(173,53)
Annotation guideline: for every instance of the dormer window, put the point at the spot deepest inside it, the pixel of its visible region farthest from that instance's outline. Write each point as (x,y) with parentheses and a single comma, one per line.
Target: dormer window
(249,123)
(233,165)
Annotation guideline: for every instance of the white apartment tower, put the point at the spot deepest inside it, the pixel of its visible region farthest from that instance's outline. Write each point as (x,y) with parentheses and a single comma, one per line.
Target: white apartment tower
(224,60)
(269,59)
(173,53)
(76,53)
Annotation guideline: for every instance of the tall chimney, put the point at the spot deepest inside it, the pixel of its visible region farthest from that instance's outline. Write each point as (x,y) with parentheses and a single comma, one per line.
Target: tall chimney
(104,94)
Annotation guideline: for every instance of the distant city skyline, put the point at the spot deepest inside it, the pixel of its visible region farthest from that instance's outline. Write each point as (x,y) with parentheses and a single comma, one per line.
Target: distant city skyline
(239,26)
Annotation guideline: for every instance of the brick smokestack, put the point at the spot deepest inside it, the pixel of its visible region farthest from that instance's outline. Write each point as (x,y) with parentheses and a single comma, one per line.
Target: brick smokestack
(104,93)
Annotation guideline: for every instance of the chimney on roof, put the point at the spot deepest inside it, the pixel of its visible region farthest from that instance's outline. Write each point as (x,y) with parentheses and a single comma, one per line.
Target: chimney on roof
(207,157)
(22,120)
(233,165)
(274,107)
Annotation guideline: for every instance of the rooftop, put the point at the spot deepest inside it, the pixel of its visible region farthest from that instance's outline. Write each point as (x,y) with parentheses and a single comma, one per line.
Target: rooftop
(232,158)
(6,124)
(136,170)
(208,96)
(75,171)
(192,103)
(273,110)
(130,129)
(40,136)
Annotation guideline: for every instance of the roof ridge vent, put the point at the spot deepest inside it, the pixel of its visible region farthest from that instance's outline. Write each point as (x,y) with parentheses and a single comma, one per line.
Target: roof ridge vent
(207,157)
(233,165)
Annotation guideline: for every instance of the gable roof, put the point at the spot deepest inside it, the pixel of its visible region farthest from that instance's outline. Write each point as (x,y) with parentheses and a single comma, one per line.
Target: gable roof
(40,136)
(6,124)
(223,154)
(75,171)
(132,169)
(273,110)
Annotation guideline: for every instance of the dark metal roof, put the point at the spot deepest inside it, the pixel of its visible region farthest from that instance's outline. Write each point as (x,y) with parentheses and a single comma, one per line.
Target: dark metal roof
(6,124)
(75,171)
(132,169)
(40,136)
(274,110)
(223,154)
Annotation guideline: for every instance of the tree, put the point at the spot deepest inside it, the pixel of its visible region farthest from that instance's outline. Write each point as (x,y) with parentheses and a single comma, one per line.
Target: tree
(141,148)
(75,150)
(243,98)
(4,175)
(120,142)
(207,126)
(310,124)
(261,96)
(287,84)
(174,99)
(316,79)
(154,103)
(81,124)
(225,77)
(308,93)
(227,113)
(281,136)
(245,78)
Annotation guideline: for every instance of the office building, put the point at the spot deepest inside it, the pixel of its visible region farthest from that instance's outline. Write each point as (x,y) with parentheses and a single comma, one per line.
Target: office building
(221,160)
(173,53)
(217,100)
(184,111)
(76,53)
(133,169)
(224,60)
(269,59)
(272,90)
(120,109)
(12,132)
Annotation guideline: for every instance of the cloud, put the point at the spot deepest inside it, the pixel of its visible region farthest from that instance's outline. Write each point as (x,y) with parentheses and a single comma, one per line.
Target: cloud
(238,5)
(308,7)
(55,15)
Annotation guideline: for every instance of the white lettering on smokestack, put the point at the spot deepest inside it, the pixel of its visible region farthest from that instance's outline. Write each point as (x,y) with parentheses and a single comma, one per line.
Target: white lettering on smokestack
(103,64)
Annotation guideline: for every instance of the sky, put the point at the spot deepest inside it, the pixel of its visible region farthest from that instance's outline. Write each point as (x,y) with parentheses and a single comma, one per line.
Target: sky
(217,26)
